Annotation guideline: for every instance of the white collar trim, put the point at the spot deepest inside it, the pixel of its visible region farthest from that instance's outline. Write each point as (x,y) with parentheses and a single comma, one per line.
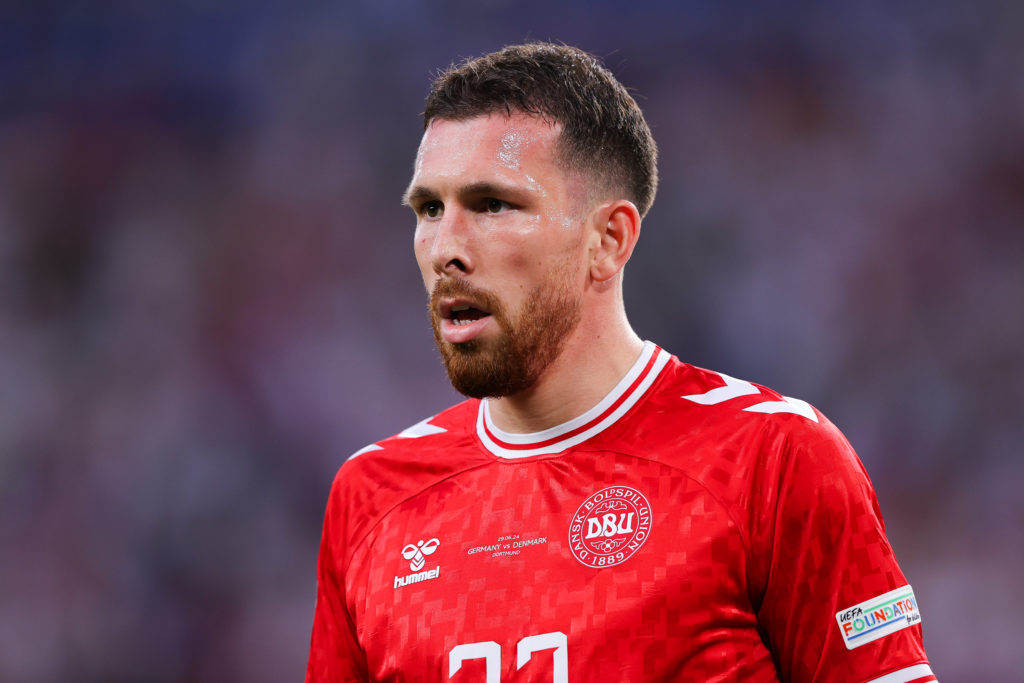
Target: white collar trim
(614,405)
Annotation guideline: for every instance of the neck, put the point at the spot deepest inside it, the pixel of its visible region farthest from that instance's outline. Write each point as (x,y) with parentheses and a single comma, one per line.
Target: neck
(596,356)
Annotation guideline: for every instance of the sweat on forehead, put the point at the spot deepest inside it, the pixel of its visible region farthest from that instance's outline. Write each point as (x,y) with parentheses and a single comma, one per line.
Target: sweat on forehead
(507,138)
(517,153)
(516,138)
(522,128)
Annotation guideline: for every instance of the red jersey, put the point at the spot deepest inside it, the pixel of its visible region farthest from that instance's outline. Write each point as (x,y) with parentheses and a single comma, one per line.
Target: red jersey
(690,527)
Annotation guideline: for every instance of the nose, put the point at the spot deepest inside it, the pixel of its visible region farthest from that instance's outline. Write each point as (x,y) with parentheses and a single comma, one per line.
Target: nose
(450,250)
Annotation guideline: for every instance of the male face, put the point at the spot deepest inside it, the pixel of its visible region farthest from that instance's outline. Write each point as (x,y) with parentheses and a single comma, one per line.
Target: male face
(499,242)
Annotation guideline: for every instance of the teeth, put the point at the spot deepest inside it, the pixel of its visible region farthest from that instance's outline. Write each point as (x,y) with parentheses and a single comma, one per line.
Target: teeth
(459,309)
(454,317)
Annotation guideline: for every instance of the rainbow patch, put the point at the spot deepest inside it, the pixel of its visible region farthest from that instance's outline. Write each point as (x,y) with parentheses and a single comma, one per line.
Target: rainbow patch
(878,617)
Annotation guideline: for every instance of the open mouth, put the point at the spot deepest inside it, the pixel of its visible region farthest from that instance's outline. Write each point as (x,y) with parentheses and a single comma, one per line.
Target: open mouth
(464,314)
(462,320)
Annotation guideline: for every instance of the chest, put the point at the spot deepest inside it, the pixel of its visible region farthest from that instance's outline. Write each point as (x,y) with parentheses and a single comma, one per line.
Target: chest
(605,566)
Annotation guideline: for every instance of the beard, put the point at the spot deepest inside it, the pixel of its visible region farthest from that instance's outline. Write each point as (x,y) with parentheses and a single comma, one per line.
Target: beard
(529,341)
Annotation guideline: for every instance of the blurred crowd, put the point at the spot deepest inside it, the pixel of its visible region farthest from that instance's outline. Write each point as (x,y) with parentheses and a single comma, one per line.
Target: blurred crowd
(208,298)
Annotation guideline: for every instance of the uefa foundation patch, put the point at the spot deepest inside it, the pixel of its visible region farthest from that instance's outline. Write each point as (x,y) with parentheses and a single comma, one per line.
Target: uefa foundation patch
(878,617)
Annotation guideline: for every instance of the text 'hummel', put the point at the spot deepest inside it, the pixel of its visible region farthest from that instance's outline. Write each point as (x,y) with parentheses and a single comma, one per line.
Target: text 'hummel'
(417,555)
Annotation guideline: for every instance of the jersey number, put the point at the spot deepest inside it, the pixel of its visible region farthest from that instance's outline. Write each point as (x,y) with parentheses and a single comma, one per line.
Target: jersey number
(490,652)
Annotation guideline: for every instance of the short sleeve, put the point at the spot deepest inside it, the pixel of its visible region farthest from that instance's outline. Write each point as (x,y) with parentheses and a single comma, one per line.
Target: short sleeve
(836,606)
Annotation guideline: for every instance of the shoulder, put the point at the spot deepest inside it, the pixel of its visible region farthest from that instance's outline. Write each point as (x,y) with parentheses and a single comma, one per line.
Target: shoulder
(710,422)
(723,396)
(445,427)
(773,461)
(413,452)
(382,475)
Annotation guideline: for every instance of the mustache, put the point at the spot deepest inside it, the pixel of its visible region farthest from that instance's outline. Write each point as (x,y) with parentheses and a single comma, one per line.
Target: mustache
(451,288)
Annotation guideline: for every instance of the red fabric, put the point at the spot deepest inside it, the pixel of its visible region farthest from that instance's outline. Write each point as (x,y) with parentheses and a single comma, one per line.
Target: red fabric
(761,528)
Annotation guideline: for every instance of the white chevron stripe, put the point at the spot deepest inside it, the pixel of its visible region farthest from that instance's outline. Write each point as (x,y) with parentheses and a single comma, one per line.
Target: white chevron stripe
(786,405)
(423,428)
(734,388)
(371,447)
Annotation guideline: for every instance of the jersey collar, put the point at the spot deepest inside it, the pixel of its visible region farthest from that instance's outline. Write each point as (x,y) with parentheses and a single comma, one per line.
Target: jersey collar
(614,405)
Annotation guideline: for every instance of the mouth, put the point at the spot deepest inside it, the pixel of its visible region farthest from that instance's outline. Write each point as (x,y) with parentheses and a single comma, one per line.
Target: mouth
(462,320)
(464,314)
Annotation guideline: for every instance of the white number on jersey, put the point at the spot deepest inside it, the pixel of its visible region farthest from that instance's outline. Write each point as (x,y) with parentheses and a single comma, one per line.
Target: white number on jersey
(490,652)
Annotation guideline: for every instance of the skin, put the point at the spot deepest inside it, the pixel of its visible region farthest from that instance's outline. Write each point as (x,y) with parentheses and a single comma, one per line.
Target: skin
(495,207)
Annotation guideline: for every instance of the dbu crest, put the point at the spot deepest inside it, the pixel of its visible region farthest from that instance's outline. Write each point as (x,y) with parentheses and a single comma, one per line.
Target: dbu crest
(417,553)
(610,526)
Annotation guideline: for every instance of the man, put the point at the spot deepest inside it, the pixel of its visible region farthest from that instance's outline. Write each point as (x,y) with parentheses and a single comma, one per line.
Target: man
(597,510)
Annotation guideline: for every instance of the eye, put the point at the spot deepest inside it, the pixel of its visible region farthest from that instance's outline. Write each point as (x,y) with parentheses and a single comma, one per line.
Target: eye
(496,205)
(432,209)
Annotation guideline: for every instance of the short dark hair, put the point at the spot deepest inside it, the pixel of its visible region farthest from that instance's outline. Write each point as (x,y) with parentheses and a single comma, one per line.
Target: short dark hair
(603,130)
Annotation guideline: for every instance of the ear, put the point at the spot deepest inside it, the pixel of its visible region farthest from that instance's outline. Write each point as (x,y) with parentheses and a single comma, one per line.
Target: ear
(616,230)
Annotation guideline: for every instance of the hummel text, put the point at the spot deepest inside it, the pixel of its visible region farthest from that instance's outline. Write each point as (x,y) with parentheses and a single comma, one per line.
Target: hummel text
(417,577)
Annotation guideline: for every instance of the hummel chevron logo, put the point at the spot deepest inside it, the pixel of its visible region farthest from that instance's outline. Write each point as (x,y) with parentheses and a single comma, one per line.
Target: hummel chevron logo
(417,554)
(735,388)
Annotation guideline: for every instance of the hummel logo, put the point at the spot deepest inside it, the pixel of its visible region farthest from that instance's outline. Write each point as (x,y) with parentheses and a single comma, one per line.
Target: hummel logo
(417,555)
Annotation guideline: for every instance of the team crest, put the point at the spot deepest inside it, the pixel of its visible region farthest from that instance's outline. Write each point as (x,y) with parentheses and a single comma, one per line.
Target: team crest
(610,527)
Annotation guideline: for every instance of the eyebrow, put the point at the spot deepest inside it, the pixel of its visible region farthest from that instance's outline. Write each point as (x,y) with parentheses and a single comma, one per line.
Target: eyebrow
(421,192)
(417,193)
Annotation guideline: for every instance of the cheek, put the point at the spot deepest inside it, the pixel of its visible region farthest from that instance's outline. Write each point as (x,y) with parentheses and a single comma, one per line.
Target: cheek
(534,261)
(421,249)
(420,246)
(520,256)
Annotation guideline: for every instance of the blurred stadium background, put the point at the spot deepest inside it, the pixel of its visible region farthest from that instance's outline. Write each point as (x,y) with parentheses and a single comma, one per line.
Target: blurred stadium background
(208,297)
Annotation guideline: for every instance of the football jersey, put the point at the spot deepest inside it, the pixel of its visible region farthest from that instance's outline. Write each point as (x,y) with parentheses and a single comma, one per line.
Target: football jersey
(689,527)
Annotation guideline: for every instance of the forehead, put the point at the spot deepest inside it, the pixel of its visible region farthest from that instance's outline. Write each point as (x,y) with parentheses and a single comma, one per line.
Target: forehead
(505,147)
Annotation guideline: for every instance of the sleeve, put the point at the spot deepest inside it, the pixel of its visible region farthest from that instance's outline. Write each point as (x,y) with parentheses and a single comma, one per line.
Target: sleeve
(335,655)
(836,606)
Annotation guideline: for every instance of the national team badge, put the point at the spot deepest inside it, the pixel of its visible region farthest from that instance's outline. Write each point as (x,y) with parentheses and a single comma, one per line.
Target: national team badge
(610,527)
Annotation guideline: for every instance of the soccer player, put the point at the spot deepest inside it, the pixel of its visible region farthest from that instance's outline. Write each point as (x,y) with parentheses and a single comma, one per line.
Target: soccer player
(596,510)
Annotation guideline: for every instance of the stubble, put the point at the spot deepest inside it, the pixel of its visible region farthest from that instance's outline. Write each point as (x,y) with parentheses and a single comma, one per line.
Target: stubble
(530,339)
